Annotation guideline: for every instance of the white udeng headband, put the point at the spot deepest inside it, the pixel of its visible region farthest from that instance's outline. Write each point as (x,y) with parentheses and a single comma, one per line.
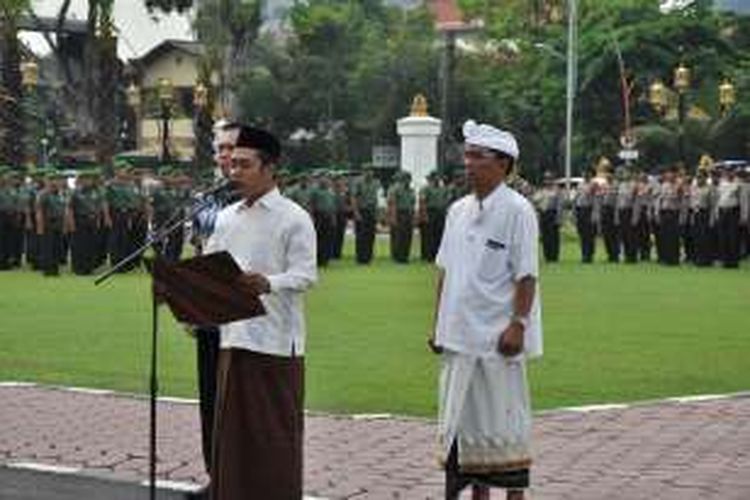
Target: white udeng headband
(490,137)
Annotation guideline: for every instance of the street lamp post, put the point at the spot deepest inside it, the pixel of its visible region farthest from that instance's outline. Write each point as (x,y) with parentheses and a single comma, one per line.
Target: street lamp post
(681,84)
(133,95)
(166,97)
(201,127)
(29,82)
(659,100)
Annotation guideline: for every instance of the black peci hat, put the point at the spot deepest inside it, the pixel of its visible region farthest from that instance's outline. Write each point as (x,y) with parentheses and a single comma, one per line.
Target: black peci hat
(255,138)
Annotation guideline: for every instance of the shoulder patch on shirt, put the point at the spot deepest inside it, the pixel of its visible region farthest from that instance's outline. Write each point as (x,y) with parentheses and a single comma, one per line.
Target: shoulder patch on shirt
(494,245)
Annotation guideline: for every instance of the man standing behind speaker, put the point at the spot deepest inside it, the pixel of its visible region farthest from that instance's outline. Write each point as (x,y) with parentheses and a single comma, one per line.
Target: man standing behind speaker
(207,337)
(258,427)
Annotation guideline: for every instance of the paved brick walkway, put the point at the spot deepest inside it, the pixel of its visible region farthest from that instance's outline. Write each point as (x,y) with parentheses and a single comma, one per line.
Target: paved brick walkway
(669,450)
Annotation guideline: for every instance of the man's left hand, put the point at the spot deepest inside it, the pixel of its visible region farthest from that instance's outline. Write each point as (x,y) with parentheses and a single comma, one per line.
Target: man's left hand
(511,340)
(255,283)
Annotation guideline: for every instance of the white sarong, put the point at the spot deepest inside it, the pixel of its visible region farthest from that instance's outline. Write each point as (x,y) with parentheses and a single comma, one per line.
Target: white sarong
(484,407)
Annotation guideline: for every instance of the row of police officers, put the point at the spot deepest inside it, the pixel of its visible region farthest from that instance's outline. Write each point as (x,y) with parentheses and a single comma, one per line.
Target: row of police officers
(700,219)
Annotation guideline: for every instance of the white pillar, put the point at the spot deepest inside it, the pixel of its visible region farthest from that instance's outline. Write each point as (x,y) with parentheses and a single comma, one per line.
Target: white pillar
(419,146)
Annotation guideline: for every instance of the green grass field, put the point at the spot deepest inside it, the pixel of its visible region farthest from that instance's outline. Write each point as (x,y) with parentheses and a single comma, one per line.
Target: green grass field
(612,333)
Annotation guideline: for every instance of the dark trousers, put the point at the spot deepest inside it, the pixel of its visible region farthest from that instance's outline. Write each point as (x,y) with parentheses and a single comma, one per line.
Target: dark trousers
(338,237)
(5,239)
(550,230)
(364,236)
(15,241)
(701,235)
(643,235)
(401,236)
(669,237)
(431,232)
(729,236)
(32,248)
(610,233)
(325,230)
(50,248)
(586,233)
(686,236)
(84,246)
(628,234)
(120,238)
(207,350)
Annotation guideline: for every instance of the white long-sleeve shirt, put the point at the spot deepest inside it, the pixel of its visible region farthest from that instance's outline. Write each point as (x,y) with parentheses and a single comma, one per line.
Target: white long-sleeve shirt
(274,237)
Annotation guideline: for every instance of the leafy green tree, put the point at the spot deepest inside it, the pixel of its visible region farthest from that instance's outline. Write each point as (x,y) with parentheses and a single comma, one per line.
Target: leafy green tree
(11,93)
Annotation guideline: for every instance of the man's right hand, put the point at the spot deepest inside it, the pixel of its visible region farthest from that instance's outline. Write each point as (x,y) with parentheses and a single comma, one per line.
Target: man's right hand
(436,349)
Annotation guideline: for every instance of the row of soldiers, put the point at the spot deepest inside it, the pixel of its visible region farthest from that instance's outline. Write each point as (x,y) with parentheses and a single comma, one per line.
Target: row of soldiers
(700,219)
(47,221)
(333,200)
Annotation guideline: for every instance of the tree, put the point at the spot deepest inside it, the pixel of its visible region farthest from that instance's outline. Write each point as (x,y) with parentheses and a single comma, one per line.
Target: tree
(11,93)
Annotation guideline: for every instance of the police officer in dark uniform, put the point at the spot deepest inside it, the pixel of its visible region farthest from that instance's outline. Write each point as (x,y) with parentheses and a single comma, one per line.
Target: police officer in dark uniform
(728,218)
(625,219)
(701,219)
(668,209)
(549,204)
(584,214)
(401,202)
(643,216)
(607,199)
(365,208)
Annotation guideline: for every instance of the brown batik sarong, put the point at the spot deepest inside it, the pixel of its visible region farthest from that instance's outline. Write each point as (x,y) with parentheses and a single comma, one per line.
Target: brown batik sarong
(258,427)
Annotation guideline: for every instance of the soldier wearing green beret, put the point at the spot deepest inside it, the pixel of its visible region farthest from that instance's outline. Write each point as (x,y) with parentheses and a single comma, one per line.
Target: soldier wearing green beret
(124,206)
(401,200)
(6,215)
(85,218)
(434,200)
(364,201)
(301,193)
(29,196)
(323,203)
(50,223)
(11,220)
(166,200)
(343,211)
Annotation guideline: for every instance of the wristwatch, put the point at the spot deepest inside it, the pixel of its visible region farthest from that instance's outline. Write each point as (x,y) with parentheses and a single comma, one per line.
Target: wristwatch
(521,320)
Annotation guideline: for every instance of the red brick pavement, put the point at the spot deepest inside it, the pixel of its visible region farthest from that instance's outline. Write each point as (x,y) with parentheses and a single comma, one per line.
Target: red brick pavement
(665,450)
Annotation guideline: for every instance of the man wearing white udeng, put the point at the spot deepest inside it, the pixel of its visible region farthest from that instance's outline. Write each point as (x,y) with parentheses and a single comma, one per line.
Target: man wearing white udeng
(487,323)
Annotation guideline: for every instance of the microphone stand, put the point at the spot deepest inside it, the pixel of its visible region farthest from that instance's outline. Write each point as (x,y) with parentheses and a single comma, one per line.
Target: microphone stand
(156,237)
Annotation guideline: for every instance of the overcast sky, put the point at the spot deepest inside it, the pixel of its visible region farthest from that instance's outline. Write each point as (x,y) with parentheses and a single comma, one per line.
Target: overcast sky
(139,31)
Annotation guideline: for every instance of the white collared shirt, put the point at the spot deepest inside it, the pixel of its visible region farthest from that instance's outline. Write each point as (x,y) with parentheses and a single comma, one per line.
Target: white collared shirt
(274,237)
(486,248)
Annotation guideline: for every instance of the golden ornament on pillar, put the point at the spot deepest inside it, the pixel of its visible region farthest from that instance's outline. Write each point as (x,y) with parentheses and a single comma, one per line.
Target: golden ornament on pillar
(29,73)
(419,106)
